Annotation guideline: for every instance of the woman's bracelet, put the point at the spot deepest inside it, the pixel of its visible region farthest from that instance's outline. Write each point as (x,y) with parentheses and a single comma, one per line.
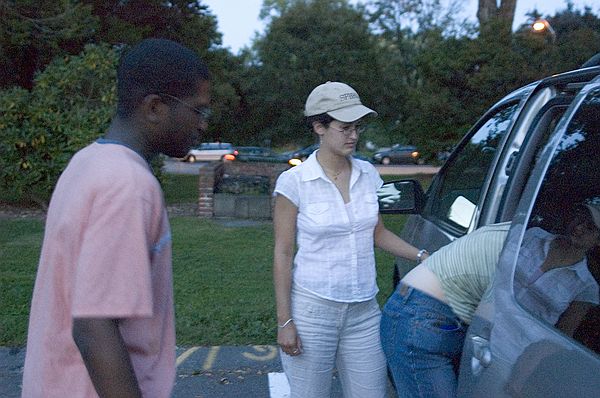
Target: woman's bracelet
(285,323)
(420,255)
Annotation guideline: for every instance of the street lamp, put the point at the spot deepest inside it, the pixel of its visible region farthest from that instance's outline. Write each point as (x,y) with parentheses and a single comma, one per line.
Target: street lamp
(542,26)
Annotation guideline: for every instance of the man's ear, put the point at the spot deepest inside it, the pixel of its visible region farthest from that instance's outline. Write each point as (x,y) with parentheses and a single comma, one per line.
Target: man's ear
(153,109)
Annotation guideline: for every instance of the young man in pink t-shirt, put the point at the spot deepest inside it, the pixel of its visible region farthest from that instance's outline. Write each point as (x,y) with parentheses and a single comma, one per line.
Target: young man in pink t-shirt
(102,319)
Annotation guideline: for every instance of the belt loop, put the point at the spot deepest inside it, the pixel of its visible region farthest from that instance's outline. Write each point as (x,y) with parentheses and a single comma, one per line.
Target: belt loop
(403,290)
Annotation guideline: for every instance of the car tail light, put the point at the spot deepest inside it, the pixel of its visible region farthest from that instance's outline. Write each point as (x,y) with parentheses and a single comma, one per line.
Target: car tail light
(415,154)
(229,156)
(236,152)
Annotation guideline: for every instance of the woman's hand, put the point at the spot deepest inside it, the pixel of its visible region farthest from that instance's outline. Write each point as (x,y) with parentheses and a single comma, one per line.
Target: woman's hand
(288,340)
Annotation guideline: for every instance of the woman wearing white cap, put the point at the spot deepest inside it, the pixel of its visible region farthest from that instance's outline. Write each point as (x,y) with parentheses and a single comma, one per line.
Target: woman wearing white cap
(326,308)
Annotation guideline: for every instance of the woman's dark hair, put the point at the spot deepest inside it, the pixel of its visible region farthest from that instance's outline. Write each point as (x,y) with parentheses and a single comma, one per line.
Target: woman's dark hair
(322,118)
(156,66)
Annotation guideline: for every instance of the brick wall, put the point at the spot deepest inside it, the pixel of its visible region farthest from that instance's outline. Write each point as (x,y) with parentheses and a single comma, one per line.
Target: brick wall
(208,177)
(214,171)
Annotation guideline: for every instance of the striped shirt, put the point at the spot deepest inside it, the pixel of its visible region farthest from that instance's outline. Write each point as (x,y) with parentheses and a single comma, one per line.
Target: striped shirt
(466,267)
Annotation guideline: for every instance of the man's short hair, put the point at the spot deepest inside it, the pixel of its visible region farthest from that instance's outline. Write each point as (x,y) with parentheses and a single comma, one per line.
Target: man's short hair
(156,66)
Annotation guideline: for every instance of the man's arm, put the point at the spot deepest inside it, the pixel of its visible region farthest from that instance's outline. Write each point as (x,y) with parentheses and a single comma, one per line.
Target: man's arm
(105,356)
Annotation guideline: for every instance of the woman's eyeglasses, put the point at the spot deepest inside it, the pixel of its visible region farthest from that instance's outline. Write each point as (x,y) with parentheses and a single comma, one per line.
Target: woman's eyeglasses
(349,129)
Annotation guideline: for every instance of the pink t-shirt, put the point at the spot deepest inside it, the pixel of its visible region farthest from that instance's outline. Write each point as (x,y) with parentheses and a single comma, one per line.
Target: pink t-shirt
(106,253)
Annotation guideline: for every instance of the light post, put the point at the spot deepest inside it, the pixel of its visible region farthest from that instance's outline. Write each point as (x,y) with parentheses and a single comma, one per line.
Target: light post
(542,26)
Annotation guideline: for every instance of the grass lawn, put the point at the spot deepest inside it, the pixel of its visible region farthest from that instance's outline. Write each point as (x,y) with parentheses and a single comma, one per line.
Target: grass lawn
(222,275)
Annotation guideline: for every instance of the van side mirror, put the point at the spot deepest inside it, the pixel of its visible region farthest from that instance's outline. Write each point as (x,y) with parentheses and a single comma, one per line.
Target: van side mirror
(401,197)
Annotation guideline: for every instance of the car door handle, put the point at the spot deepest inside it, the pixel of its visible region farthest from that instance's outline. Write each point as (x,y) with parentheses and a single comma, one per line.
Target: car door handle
(482,356)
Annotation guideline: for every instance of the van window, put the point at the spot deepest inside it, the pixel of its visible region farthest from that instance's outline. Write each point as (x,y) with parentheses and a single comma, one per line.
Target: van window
(458,189)
(558,268)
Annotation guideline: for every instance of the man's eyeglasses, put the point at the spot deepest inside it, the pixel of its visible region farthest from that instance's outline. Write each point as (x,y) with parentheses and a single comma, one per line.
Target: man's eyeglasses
(349,129)
(204,112)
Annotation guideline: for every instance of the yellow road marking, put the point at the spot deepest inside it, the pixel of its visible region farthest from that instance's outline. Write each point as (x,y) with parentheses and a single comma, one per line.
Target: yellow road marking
(267,352)
(185,355)
(210,358)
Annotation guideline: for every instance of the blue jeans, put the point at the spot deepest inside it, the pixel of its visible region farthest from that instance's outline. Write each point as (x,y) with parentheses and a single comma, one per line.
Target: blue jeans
(336,335)
(422,339)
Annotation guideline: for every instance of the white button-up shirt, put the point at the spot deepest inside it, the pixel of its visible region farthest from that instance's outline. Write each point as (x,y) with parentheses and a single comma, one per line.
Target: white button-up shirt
(335,258)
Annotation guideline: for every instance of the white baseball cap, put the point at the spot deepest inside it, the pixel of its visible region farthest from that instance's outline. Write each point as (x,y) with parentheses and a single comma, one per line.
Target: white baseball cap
(338,100)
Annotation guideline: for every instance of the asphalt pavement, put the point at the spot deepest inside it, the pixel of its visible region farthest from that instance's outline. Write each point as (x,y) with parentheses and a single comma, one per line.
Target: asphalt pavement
(202,372)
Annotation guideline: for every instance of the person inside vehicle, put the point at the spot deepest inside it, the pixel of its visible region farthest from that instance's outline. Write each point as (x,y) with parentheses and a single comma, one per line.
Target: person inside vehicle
(552,271)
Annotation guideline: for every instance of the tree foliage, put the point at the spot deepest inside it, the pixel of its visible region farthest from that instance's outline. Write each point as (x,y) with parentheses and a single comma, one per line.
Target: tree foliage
(455,78)
(33,32)
(69,106)
(428,75)
(311,42)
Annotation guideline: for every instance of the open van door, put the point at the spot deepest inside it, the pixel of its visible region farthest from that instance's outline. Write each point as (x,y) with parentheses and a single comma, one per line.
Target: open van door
(534,333)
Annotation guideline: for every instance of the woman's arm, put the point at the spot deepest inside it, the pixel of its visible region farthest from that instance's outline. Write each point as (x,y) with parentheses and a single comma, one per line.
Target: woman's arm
(390,242)
(284,221)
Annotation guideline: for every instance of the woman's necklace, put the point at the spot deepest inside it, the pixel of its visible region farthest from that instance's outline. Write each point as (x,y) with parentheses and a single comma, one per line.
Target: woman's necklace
(332,174)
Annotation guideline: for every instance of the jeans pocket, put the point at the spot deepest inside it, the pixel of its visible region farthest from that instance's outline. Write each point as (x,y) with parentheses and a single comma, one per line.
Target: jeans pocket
(440,334)
(447,325)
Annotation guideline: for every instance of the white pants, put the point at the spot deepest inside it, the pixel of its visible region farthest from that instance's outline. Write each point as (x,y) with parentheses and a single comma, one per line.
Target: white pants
(335,334)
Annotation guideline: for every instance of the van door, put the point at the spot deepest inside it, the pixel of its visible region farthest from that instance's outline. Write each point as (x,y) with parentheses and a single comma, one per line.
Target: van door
(536,332)
(455,193)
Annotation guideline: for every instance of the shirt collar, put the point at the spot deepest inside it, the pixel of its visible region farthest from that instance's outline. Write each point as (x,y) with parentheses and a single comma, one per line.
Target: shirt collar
(581,269)
(313,170)
(103,140)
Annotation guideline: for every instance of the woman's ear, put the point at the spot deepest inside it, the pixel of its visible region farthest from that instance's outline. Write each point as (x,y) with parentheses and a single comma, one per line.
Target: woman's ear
(319,128)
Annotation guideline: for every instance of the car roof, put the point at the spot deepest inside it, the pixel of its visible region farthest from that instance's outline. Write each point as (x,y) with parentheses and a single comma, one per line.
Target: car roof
(216,145)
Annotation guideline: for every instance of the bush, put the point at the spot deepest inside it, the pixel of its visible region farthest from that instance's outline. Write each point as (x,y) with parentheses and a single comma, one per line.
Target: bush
(69,106)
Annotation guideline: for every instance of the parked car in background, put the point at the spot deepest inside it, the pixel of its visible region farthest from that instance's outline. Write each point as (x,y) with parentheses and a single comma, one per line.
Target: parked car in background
(528,159)
(259,154)
(211,151)
(299,156)
(398,154)
(303,153)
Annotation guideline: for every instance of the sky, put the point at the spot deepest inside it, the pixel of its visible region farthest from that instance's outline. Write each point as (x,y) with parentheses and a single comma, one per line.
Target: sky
(238,19)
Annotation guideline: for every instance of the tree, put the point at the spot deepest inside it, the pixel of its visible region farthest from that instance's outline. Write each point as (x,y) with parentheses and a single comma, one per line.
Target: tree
(68,107)
(126,22)
(496,17)
(32,33)
(406,30)
(311,42)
